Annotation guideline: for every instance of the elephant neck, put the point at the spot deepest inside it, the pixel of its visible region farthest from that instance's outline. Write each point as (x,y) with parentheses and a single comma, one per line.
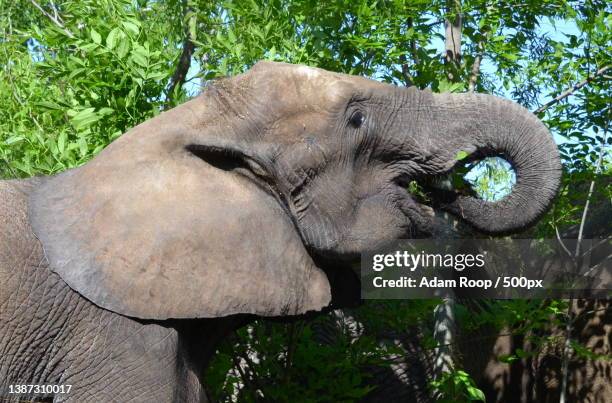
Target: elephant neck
(198,340)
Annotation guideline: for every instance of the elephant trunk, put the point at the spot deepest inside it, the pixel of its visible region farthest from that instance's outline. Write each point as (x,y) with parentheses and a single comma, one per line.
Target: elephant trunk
(485,126)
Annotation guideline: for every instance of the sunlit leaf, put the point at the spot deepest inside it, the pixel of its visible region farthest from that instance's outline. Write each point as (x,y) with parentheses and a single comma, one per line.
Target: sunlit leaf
(95,36)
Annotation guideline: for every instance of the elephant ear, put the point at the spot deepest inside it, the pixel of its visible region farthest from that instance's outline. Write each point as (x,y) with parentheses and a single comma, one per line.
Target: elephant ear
(148,229)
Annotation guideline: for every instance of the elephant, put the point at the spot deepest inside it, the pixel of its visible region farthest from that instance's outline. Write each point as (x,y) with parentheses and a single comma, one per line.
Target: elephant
(121,276)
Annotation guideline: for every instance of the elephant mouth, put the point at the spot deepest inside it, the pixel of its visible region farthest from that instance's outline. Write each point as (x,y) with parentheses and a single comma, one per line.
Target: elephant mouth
(438,192)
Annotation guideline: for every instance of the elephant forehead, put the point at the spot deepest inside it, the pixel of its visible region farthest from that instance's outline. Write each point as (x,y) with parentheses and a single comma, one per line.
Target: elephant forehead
(308,72)
(323,78)
(297,87)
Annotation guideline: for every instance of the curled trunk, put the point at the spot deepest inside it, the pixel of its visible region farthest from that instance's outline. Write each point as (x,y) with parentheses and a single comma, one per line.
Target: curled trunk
(486,126)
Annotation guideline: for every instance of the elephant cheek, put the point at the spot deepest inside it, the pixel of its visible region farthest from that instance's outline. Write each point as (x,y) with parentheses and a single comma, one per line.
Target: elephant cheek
(378,221)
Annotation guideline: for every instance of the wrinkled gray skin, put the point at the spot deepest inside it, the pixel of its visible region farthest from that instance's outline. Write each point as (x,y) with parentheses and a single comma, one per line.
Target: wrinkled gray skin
(50,334)
(120,276)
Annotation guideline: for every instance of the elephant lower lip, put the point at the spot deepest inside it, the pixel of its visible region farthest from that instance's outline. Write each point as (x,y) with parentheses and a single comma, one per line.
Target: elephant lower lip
(429,197)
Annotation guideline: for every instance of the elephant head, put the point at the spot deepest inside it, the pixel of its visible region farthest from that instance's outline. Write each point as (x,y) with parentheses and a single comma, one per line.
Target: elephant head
(223,204)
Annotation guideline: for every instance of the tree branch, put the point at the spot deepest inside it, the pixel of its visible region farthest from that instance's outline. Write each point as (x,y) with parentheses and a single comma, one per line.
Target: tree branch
(480,49)
(573,89)
(182,68)
(53,19)
(408,79)
(444,314)
(248,382)
(561,242)
(452,39)
(444,334)
(56,14)
(476,68)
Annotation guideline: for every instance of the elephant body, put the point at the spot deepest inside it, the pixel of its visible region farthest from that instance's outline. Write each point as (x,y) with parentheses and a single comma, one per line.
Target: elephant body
(52,335)
(120,276)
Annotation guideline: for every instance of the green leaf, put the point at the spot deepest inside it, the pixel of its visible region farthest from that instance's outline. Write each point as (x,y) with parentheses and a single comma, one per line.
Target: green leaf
(521,353)
(511,56)
(105,111)
(231,36)
(156,75)
(74,73)
(123,47)
(461,155)
(111,39)
(88,47)
(446,86)
(84,118)
(475,394)
(61,142)
(95,36)
(49,105)
(192,24)
(82,143)
(140,55)
(131,27)
(13,140)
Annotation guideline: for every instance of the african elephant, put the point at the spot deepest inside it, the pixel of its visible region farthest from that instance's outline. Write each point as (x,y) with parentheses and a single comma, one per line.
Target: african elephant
(121,275)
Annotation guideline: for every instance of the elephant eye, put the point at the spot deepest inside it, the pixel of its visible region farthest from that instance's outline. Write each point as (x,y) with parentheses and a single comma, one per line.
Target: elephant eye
(357,119)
